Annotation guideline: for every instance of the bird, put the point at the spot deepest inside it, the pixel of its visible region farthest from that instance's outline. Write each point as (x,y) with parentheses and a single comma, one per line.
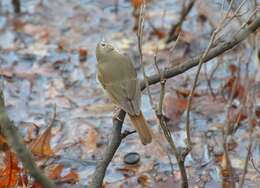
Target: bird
(118,77)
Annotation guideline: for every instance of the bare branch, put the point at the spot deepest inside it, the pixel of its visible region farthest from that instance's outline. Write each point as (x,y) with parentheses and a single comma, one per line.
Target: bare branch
(15,141)
(16,6)
(214,52)
(114,143)
(184,12)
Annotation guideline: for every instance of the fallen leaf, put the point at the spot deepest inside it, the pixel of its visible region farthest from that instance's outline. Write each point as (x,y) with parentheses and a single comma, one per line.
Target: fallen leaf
(18,24)
(56,174)
(170,182)
(137,3)
(10,173)
(71,177)
(8,73)
(234,87)
(92,139)
(41,146)
(232,69)
(183,92)
(173,107)
(158,33)
(83,53)
(144,180)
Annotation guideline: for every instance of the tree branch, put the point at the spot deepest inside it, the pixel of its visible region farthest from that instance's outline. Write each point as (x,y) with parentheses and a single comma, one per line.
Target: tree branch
(168,73)
(115,141)
(16,6)
(173,34)
(15,141)
(214,52)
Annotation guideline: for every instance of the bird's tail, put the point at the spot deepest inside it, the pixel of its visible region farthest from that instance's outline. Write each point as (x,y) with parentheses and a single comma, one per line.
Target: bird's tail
(142,128)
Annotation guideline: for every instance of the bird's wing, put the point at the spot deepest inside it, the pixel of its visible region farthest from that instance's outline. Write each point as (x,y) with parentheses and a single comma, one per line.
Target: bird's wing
(124,88)
(127,99)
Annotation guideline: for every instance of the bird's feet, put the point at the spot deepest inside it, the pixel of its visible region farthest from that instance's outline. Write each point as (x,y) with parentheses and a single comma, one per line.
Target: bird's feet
(116,114)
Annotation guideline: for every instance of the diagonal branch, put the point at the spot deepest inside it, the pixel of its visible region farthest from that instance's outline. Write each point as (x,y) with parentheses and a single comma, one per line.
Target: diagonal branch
(15,141)
(168,73)
(114,143)
(175,29)
(214,52)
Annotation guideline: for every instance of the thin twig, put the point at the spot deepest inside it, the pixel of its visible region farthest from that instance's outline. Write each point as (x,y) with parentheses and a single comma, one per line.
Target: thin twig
(228,179)
(208,79)
(140,44)
(139,37)
(184,12)
(247,156)
(253,163)
(180,159)
(248,20)
(252,116)
(168,136)
(227,169)
(201,60)
(158,111)
(126,133)
(213,52)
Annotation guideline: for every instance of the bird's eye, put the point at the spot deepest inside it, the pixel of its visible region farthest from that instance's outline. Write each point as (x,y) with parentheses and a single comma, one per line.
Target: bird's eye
(103,44)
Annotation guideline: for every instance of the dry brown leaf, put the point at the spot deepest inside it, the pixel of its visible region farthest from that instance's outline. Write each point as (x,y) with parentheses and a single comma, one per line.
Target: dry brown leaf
(10,173)
(144,180)
(72,177)
(158,33)
(227,172)
(173,107)
(232,69)
(55,172)
(83,53)
(170,182)
(18,24)
(137,3)
(183,92)
(234,86)
(92,139)
(8,73)
(41,146)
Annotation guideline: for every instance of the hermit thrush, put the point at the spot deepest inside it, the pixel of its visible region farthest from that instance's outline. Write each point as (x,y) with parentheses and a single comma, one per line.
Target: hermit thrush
(118,77)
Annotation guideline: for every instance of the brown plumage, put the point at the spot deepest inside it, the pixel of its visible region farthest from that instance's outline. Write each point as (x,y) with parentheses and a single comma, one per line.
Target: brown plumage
(118,77)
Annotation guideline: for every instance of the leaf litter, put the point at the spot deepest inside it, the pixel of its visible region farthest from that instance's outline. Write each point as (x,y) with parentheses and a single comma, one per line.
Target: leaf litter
(48,58)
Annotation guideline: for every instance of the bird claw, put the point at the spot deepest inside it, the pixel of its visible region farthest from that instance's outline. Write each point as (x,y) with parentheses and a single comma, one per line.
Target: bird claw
(116,114)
